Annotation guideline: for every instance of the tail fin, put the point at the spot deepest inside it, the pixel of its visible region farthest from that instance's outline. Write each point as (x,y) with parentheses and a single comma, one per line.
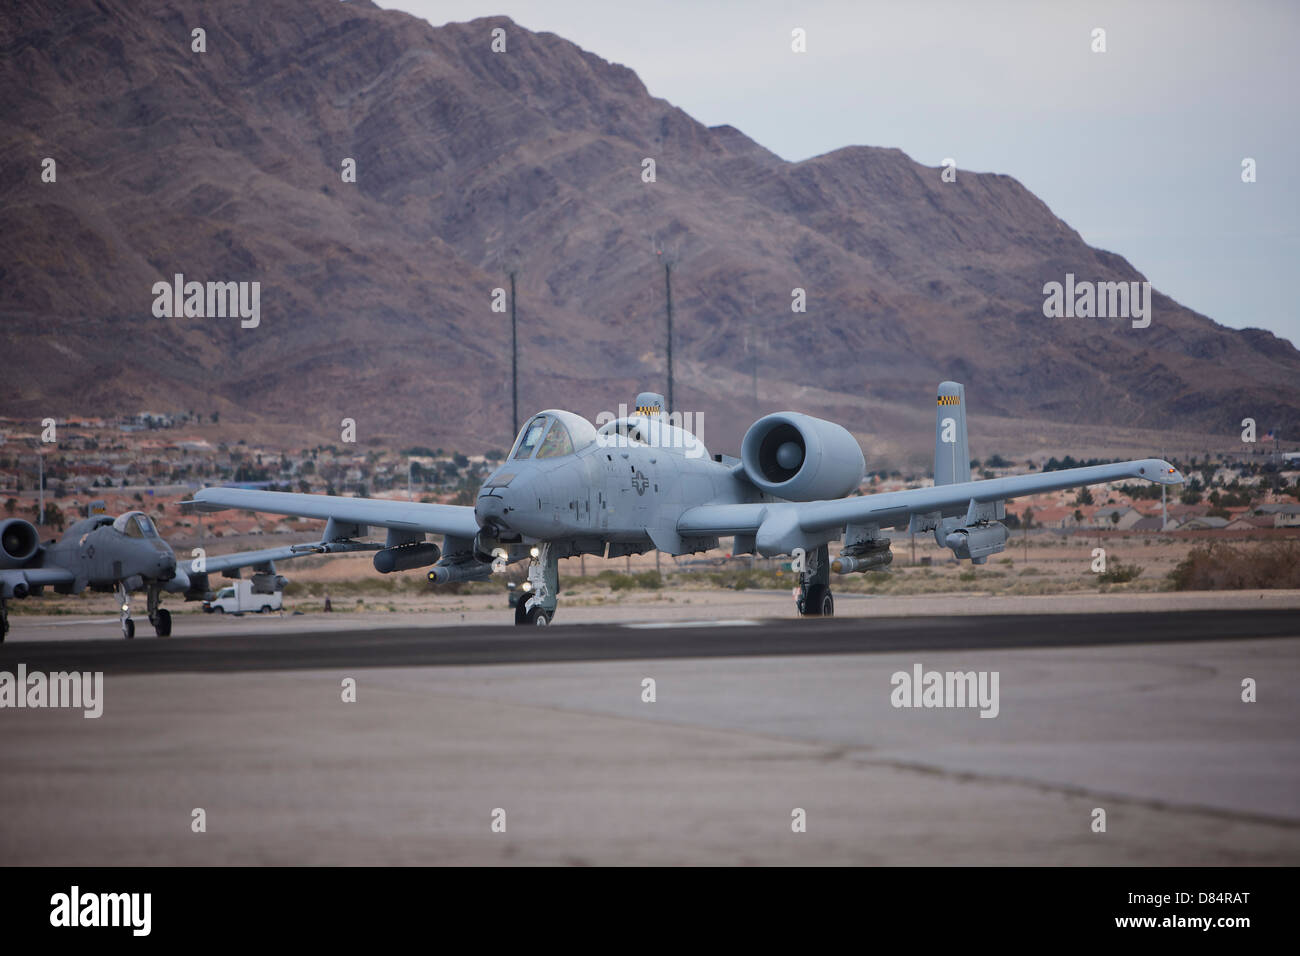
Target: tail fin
(951,454)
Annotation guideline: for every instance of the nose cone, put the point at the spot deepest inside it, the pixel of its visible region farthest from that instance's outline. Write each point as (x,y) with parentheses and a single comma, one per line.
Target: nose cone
(499,497)
(490,508)
(167,566)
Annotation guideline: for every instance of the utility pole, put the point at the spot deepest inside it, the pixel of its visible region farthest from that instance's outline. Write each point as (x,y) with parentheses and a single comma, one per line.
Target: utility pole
(668,287)
(751,347)
(514,361)
(1164,515)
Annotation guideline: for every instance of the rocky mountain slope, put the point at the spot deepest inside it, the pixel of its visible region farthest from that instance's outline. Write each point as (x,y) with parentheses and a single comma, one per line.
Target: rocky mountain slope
(376,295)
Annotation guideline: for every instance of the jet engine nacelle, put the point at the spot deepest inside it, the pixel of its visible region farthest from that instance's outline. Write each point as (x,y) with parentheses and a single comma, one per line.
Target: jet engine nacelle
(977,542)
(801,458)
(406,557)
(19,542)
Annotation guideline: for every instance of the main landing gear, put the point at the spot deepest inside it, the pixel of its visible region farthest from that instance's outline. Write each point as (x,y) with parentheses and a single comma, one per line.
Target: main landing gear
(536,605)
(159,617)
(815,599)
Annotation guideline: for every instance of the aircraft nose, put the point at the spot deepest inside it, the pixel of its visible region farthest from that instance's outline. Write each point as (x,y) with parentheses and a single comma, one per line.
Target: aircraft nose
(497,499)
(490,508)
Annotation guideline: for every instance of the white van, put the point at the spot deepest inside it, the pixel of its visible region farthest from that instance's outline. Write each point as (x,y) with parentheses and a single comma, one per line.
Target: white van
(240,599)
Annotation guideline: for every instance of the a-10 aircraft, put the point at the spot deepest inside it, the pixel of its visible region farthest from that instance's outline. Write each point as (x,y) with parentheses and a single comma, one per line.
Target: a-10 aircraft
(122,555)
(641,482)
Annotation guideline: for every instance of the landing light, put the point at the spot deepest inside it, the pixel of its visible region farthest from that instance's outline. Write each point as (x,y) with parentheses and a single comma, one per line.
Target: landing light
(126,607)
(535,553)
(527,586)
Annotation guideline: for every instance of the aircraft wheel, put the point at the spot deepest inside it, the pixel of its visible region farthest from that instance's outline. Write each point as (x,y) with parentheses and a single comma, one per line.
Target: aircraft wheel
(163,625)
(540,617)
(521,612)
(817,602)
(128,629)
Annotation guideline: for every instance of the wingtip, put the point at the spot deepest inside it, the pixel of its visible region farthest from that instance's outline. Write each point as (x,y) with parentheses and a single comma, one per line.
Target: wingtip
(1161,472)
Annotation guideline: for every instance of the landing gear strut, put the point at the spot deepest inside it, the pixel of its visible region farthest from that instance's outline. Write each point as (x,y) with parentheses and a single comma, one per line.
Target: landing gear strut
(815,598)
(160,618)
(124,611)
(536,606)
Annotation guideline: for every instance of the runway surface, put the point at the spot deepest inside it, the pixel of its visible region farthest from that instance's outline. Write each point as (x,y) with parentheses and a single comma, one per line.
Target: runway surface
(508,644)
(1137,714)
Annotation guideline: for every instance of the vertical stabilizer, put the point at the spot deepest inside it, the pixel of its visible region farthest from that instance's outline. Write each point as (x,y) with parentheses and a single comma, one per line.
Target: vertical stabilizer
(951,454)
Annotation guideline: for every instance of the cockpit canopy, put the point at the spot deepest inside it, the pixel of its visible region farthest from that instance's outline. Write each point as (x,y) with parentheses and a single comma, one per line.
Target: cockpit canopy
(652,431)
(551,434)
(136,524)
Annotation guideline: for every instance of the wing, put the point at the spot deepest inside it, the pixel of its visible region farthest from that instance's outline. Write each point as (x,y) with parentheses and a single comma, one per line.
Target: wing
(781,526)
(245,559)
(408,516)
(18,583)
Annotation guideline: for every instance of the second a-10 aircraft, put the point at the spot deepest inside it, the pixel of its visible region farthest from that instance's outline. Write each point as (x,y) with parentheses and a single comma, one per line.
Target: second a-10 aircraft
(126,554)
(641,482)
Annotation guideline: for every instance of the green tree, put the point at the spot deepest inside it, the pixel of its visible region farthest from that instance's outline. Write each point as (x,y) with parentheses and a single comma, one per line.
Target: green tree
(54,516)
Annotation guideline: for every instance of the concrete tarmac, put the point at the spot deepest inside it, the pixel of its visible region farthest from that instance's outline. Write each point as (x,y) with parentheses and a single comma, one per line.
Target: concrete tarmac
(728,637)
(1139,715)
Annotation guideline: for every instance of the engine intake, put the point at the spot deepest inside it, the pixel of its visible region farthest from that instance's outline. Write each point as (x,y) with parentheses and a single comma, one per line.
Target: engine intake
(801,458)
(19,541)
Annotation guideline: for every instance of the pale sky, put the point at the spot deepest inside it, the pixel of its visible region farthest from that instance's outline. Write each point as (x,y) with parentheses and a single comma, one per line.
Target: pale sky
(1138,148)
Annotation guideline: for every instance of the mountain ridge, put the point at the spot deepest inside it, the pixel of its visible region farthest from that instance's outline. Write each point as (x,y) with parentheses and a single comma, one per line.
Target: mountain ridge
(376,295)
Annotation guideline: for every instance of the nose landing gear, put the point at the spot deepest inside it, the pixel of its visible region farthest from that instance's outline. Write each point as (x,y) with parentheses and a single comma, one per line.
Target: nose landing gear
(124,611)
(536,606)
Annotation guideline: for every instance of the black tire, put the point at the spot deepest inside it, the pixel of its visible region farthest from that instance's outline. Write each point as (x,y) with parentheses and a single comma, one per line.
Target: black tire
(162,625)
(817,602)
(128,629)
(218,610)
(540,617)
(266,609)
(521,613)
